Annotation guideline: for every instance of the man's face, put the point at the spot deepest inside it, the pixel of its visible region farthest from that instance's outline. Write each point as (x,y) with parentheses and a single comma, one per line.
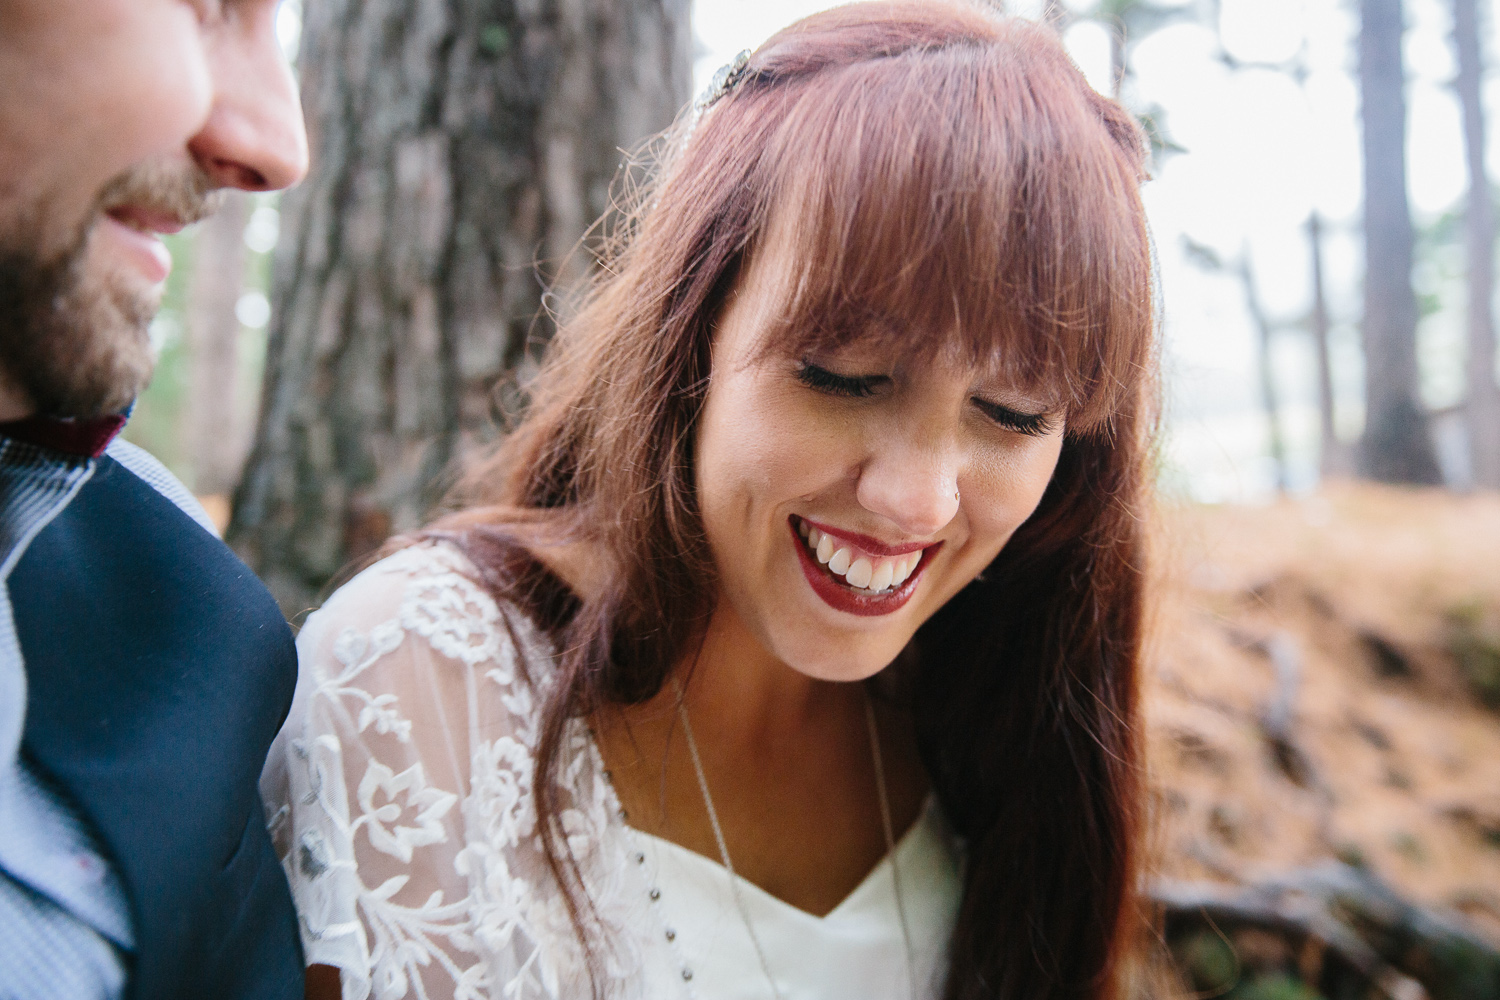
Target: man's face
(121,120)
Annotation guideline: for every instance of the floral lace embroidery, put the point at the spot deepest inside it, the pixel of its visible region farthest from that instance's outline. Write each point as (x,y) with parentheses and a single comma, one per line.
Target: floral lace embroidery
(429,883)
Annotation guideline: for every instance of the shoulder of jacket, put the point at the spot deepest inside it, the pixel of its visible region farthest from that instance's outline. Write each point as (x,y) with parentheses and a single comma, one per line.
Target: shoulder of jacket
(149,469)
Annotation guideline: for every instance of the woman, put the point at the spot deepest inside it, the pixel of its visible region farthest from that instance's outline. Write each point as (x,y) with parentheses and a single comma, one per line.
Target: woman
(864,398)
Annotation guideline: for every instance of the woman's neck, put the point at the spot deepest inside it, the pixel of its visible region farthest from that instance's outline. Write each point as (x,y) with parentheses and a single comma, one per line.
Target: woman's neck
(749,695)
(786,760)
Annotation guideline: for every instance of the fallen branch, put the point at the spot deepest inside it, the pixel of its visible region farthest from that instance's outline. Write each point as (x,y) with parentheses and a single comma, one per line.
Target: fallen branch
(1365,934)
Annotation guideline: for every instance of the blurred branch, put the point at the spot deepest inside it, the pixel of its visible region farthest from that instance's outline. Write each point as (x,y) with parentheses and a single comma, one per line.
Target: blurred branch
(1208,259)
(1365,929)
(1333,457)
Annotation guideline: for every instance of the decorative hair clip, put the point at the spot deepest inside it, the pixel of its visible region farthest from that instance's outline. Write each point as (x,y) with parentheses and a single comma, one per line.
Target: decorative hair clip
(725,80)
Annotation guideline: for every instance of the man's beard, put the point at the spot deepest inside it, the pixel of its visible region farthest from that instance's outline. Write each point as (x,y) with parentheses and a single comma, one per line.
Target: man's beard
(77,339)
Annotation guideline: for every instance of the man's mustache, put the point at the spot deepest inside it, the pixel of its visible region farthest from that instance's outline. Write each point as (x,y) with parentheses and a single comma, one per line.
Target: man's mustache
(185,193)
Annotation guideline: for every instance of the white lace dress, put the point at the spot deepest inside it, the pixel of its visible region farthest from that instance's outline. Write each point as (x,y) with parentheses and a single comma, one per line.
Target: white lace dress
(400,799)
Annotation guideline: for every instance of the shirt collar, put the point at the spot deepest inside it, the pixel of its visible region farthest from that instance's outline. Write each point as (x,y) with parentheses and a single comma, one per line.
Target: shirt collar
(80,437)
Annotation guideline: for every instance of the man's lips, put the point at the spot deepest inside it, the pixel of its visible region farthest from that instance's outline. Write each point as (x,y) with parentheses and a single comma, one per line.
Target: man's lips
(146,219)
(134,232)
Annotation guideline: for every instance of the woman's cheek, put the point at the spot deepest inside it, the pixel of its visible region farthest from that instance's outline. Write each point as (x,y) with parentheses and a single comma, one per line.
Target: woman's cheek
(796,447)
(1025,474)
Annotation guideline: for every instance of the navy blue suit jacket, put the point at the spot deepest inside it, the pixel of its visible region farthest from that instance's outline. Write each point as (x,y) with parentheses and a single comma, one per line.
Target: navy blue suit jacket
(159,669)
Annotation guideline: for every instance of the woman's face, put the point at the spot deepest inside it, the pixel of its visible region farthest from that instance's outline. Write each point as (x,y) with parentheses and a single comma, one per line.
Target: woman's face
(847,496)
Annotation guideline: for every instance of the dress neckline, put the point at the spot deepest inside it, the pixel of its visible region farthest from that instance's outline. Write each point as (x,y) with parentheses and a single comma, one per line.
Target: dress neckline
(875,880)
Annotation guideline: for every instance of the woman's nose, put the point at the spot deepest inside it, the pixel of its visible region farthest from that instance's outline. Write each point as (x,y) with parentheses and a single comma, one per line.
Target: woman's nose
(913,485)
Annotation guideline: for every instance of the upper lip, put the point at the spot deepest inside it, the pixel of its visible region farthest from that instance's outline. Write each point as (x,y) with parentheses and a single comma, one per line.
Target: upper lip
(146,219)
(872,546)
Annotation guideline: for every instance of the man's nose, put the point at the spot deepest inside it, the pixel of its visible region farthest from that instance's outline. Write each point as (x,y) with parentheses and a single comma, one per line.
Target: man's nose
(254,138)
(913,484)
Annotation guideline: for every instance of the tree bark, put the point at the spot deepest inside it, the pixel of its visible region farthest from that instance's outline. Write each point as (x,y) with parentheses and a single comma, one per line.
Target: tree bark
(216,446)
(1483,409)
(1396,447)
(461,149)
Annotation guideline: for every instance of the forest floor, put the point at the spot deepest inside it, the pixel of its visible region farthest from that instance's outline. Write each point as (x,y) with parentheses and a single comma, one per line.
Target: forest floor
(1323,684)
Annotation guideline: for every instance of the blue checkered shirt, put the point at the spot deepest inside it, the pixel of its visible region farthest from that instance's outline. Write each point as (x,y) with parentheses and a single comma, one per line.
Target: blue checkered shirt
(65,928)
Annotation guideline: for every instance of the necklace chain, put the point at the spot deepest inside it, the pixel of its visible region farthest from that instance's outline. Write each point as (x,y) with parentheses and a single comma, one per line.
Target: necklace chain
(734,887)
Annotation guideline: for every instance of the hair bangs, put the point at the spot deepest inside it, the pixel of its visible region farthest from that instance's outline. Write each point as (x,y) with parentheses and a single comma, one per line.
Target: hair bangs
(953,197)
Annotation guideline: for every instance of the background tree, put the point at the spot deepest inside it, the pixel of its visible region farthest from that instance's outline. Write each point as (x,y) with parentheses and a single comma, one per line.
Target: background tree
(1332,459)
(1240,268)
(1395,447)
(1483,408)
(461,148)
(214,447)
(1128,21)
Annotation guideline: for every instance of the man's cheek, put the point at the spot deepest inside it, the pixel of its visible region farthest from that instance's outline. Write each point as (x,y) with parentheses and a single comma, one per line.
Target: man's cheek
(159,91)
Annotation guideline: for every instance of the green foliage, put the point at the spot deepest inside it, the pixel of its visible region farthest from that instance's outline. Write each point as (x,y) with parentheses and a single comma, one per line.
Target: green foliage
(494,40)
(1352,855)
(1276,986)
(1474,642)
(1409,847)
(1216,972)
(1468,971)
(1210,962)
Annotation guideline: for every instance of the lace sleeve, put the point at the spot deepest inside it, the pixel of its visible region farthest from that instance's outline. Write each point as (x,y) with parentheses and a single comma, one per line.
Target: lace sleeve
(400,790)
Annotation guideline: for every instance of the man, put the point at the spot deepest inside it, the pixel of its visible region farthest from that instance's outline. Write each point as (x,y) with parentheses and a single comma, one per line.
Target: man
(143,669)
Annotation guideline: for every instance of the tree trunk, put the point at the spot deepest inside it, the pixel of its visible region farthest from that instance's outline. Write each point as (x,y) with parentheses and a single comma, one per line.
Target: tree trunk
(215,446)
(1483,409)
(1269,399)
(1332,460)
(461,149)
(1396,447)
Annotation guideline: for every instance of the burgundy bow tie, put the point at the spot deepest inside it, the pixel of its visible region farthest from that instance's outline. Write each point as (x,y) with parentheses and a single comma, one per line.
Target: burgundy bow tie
(85,438)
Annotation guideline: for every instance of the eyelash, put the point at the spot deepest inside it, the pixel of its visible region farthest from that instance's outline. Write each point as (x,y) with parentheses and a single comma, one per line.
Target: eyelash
(863,386)
(856,386)
(1029,424)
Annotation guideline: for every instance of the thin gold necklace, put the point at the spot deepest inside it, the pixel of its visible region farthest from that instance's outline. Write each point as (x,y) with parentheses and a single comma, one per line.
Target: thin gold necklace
(734,886)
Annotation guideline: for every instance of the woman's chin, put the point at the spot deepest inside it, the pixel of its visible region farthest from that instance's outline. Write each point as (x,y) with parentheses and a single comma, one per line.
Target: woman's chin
(844,667)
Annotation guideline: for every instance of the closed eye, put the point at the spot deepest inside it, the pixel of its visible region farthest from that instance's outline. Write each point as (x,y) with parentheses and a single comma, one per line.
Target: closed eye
(823,380)
(1030,424)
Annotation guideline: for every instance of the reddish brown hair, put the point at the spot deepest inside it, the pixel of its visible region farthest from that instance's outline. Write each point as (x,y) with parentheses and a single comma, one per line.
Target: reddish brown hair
(932,163)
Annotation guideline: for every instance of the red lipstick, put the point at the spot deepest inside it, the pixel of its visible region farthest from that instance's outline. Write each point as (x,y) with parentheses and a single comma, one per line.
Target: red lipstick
(873,546)
(840,597)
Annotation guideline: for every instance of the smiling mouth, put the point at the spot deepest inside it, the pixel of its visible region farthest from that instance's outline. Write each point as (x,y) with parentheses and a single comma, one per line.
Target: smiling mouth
(866,574)
(850,577)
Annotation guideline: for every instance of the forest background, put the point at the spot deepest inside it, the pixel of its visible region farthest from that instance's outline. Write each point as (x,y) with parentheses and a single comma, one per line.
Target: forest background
(1324,689)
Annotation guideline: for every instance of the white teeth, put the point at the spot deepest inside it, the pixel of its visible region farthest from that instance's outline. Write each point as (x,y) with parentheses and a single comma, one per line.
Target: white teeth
(860,573)
(903,568)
